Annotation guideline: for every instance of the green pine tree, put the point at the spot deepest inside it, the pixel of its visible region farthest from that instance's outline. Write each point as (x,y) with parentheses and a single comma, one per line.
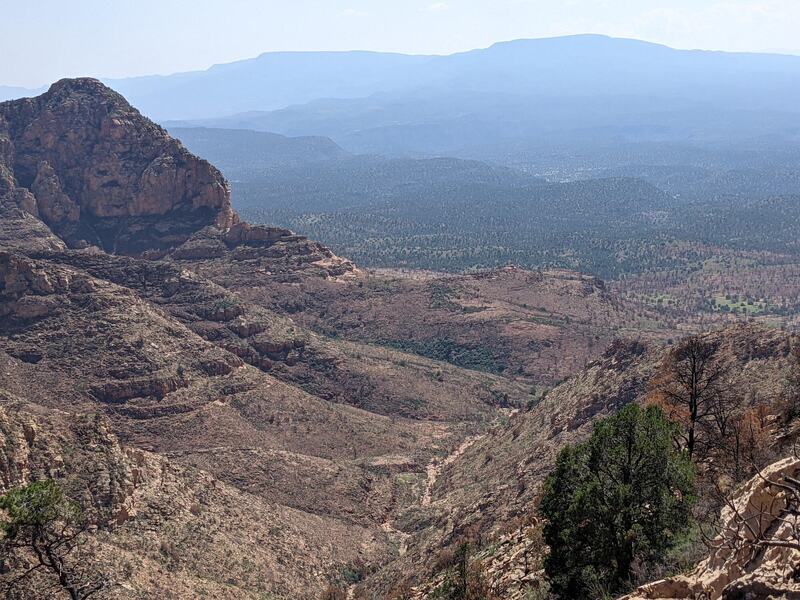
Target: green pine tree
(41,530)
(622,497)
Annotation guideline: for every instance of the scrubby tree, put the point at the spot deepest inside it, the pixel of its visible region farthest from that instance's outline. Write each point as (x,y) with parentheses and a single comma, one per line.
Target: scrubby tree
(41,529)
(620,499)
(791,397)
(691,388)
(464,579)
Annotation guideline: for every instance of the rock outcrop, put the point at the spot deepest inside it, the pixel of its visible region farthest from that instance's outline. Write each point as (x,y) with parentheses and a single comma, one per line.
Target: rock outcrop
(22,231)
(99,173)
(757,553)
(27,291)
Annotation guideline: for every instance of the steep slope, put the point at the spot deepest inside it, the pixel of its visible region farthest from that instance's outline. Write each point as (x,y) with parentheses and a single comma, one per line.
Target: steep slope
(21,230)
(170,531)
(493,485)
(161,382)
(164,388)
(379,379)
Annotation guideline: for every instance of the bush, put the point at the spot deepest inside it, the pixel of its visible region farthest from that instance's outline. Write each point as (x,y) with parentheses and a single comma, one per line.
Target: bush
(619,500)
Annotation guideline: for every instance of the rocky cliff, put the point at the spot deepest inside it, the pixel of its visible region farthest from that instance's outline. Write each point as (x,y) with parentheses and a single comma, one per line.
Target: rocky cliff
(99,173)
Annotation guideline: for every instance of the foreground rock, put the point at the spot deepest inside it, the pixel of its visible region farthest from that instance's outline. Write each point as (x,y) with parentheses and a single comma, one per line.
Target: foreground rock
(757,554)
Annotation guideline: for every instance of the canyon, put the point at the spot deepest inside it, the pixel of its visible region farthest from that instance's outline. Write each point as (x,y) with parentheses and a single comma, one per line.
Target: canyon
(245,414)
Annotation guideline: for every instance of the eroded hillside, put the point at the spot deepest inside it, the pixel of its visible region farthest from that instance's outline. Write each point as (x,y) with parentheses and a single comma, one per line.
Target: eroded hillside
(174,363)
(489,493)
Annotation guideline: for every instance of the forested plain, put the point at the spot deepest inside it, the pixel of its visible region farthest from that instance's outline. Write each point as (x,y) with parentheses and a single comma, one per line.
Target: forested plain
(685,228)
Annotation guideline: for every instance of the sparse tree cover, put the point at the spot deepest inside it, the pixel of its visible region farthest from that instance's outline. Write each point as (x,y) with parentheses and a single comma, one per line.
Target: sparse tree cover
(718,423)
(619,500)
(42,529)
(753,283)
(707,256)
(408,213)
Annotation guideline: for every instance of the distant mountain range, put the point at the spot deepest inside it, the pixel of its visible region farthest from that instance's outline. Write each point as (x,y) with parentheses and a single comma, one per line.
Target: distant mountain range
(567,67)
(517,103)
(516,100)
(10,92)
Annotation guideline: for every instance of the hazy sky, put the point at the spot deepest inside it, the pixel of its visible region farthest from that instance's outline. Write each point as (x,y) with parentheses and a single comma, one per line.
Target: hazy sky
(43,40)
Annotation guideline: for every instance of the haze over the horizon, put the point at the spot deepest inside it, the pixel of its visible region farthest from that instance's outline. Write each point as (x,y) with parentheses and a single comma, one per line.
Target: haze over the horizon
(87,37)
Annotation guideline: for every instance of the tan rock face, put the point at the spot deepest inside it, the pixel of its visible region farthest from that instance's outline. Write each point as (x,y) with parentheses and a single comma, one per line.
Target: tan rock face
(24,289)
(57,207)
(102,174)
(21,229)
(13,196)
(244,233)
(755,555)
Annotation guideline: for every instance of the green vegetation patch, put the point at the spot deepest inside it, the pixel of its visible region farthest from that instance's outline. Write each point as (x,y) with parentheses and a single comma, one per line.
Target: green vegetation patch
(476,358)
(735,304)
